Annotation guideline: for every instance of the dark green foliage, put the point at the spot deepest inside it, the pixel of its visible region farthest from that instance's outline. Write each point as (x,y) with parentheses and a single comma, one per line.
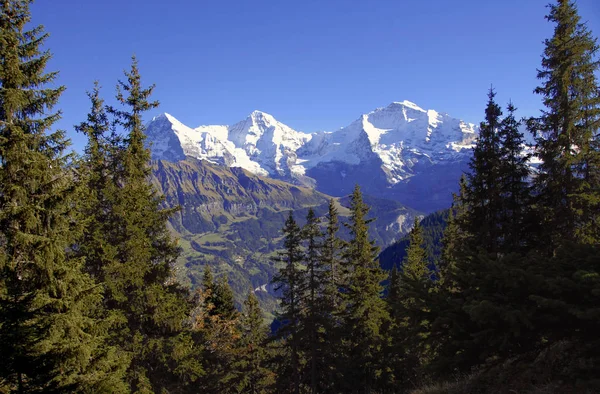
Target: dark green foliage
(222,299)
(129,250)
(517,219)
(409,302)
(482,282)
(433,227)
(290,282)
(365,313)
(314,299)
(482,194)
(251,364)
(567,131)
(52,332)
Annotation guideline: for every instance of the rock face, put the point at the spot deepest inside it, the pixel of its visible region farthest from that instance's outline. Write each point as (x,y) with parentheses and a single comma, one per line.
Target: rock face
(392,152)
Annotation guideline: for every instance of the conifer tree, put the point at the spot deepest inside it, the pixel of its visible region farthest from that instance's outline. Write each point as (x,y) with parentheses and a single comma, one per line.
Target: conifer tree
(139,279)
(488,227)
(568,184)
(483,189)
(52,336)
(219,332)
(517,222)
(567,131)
(290,282)
(409,300)
(253,374)
(332,307)
(314,318)
(331,255)
(365,311)
(223,301)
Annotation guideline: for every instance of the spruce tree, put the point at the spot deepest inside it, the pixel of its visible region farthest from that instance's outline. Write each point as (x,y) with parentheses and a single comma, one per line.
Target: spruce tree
(332,306)
(567,131)
(219,333)
(409,301)
(314,319)
(365,311)
(290,282)
(223,301)
(486,231)
(251,368)
(139,279)
(568,185)
(483,190)
(517,221)
(52,336)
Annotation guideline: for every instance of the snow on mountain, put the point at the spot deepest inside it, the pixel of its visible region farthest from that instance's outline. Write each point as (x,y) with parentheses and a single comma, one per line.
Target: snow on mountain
(399,140)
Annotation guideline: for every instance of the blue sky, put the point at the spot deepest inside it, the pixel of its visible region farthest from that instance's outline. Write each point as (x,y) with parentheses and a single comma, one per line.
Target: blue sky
(313,64)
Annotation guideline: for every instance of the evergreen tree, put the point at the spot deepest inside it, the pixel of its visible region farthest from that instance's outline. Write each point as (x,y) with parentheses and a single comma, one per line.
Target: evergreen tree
(517,221)
(253,374)
(365,311)
(290,282)
(567,187)
(567,131)
(483,189)
(222,299)
(219,332)
(332,307)
(138,277)
(208,283)
(409,301)
(314,318)
(52,336)
(331,255)
(489,226)
(415,265)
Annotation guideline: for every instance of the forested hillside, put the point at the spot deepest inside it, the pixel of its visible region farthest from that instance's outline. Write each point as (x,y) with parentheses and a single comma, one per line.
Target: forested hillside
(92,299)
(231,220)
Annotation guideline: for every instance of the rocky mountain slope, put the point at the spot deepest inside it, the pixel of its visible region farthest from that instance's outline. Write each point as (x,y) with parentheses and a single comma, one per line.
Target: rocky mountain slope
(392,152)
(231,219)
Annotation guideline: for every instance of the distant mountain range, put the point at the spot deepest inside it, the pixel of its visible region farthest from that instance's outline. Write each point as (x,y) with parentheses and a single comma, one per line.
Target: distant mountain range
(400,152)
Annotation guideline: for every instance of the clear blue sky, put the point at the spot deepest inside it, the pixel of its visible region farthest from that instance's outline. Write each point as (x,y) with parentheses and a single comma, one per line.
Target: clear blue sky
(313,64)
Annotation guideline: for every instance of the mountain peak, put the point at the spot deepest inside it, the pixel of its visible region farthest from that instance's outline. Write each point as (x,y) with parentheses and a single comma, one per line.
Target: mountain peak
(407,104)
(166,116)
(260,116)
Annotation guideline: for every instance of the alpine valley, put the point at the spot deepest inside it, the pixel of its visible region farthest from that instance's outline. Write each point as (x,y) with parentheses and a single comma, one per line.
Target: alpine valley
(236,184)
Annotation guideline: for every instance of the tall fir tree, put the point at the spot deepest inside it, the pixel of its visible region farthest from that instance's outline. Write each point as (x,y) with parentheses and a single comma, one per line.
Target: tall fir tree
(517,221)
(365,311)
(52,335)
(409,299)
(218,330)
(483,189)
(251,366)
(290,282)
(331,254)
(567,131)
(568,187)
(314,319)
(481,253)
(138,276)
(223,300)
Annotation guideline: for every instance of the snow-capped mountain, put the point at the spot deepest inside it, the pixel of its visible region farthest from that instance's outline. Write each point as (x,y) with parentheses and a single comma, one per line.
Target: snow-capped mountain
(384,150)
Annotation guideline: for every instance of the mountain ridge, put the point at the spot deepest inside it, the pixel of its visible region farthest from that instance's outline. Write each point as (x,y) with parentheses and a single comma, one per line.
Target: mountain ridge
(382,149)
